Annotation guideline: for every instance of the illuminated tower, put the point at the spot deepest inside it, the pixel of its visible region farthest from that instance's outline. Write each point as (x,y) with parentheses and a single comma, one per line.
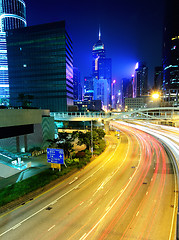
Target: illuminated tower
(98,53)
(102,74)
(12,16)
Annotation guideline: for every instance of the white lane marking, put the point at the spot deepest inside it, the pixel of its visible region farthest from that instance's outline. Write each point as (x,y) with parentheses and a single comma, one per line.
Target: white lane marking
(107,208)
(137,214)
(107,192)
(146,193)
(83,236)
(16,226)
(52,203)
(81,203)
(96,210)
(51,228)
(73,180)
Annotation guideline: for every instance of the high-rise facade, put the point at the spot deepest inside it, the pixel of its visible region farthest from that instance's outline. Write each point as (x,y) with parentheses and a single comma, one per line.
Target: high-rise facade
(140,80)
(101,70)
(158,78)
(41,65)
(77,89)
(98,54)
(127,89)
(12,16)
(171,51)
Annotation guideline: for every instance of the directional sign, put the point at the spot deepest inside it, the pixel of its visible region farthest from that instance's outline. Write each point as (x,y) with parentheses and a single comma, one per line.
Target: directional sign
(55,155)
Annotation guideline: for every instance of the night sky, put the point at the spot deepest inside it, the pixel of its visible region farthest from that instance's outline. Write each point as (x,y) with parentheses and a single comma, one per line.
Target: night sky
(131,30)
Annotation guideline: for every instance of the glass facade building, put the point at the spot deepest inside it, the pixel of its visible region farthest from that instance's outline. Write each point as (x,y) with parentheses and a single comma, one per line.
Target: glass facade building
(77,89)
(4,80)
(41,66)
(140,80)
(171,53)
(98,53)
(101,70)
(12,16)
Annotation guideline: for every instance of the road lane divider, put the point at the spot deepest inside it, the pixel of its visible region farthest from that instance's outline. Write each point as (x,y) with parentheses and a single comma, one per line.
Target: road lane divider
(51,228)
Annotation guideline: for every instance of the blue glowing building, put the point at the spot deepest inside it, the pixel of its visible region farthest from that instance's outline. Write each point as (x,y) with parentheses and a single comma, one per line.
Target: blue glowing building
(102,74)
(12,16)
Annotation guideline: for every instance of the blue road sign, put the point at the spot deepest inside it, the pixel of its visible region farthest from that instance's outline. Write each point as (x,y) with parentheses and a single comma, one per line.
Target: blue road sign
(55,155)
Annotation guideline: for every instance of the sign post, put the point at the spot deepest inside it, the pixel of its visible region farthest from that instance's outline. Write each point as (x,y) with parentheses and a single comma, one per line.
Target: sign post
(55,157)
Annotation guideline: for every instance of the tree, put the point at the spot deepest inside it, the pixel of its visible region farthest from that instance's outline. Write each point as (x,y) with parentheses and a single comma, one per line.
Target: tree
(101,133)
(84,138)
(65,141)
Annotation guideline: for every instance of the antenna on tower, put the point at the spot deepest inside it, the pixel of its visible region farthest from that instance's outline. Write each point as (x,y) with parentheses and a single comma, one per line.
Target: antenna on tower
(99,33)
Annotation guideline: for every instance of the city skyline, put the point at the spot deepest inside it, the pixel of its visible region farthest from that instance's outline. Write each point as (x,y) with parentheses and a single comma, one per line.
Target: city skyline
(131,31)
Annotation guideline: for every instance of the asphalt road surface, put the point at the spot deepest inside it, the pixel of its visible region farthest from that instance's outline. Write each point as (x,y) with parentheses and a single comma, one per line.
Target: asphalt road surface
(129,192)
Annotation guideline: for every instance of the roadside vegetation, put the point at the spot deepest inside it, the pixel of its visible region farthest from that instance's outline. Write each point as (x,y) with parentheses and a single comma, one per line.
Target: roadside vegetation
(73,160)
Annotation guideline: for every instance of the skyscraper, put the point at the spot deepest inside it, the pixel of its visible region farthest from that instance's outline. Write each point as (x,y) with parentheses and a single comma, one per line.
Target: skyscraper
(171,51)
(41,65)
(77,89)
(158,78)
(140,80)
(12,16)
(98,53)
(101,70)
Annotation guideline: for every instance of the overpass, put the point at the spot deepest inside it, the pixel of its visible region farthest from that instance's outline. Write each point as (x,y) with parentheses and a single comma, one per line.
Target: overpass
(159,113)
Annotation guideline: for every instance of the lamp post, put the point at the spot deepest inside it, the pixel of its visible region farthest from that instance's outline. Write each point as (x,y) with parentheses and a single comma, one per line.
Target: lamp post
(113,94)
(92,137)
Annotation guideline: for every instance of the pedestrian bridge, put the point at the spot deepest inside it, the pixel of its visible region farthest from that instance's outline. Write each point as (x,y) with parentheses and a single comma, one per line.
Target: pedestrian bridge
(160,113)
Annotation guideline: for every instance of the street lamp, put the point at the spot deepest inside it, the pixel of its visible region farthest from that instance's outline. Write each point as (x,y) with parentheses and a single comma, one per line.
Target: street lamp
(156,95)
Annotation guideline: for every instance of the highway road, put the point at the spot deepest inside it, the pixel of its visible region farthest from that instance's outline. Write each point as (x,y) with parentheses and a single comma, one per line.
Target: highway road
(129,192)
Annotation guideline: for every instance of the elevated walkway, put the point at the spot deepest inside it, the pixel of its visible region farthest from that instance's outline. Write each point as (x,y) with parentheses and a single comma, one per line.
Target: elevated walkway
(165,113)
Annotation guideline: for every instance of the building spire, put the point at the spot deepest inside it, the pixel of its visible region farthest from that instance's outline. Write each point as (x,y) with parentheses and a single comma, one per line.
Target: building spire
(99,33)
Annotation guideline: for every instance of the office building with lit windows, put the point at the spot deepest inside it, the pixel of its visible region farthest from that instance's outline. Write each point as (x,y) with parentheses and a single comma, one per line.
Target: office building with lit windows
(77,89)
(140,80)
(158,78)
(171,53)
(102,74)
(41,65)
(12,16)
(4,79)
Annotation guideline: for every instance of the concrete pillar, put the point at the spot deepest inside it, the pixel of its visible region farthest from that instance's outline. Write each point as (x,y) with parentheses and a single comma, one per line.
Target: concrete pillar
(25,143)
(18,144)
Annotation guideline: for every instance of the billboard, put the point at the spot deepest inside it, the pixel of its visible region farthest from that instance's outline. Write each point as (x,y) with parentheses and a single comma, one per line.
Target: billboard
(55,155)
